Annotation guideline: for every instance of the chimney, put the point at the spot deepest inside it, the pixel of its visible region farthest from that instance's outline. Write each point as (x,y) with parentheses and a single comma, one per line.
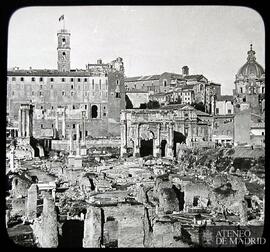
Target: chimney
(99,61)
(185,70)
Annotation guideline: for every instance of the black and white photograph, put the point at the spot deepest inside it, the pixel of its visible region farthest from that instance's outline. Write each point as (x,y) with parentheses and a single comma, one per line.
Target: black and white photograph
(135,126)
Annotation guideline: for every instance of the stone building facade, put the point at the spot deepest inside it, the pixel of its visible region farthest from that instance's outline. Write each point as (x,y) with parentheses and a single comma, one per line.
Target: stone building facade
(62,97)
(160,132)
(181,88)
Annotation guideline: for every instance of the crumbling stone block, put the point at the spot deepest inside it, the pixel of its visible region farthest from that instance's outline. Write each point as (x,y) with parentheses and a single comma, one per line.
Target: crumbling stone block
(31,208)
(168,201)
(92,228)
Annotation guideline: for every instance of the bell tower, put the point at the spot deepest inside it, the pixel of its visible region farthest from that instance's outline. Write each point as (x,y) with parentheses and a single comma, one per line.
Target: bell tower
(63,50)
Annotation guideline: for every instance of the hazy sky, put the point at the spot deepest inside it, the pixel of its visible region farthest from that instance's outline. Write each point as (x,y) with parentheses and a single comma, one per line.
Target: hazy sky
(211,40)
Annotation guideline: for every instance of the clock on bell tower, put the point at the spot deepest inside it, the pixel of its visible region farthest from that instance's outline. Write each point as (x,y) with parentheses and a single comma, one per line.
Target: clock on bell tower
(63,50)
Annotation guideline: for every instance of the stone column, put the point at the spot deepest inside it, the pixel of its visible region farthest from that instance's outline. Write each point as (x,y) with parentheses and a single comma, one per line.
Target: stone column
(27,126)
(70,144)
(170,141)
(83,127)
(123,138)
(23,122)
(31,207)
(20,123)
(136,151)
(53,194)
(56,121)
(157,143)
(64,124)
(78,139)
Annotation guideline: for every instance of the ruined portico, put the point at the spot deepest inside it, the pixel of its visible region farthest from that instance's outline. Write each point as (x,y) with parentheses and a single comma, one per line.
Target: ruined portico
(158,132)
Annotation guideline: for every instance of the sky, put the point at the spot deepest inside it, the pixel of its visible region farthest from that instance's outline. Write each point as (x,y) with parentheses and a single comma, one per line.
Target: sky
(210,40)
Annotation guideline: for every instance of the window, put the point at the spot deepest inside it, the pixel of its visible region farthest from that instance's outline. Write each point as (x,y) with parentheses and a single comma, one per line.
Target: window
(229,111)
(117,82)
(13,78)
(33,79)
(241,90)
(85,106)
(41,126)
(79,80)
(217,111)
(41,107)
(52,125)
(51,79)
(63,93)
(71,86)
(104,114)
(52,107)
(63,79)
(73,126)
(40,93)
(40,79)
(263,90)
(262,133)
(85,79)
(164,83)
(86,133)
(71,79)
(117,95)
(73,107)
(94,111)
(22,79)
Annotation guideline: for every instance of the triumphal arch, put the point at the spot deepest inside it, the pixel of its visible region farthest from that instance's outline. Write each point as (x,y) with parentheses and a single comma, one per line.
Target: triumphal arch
(160,132)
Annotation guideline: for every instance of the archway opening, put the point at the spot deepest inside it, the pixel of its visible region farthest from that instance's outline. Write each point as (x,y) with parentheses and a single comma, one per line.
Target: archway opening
(163,148)
(72,234)
(146,148)
(178,138)
(94,111)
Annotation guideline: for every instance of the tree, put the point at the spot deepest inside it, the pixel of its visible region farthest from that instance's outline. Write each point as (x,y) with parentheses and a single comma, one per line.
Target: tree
(199,106)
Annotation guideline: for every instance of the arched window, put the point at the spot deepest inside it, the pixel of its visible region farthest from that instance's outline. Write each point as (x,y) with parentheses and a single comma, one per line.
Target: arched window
(164,83)
(201,87)
(94,111)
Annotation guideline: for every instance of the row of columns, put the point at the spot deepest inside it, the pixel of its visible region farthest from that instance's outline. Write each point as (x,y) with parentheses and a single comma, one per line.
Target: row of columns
(64,125)
(79,141)
(25,124)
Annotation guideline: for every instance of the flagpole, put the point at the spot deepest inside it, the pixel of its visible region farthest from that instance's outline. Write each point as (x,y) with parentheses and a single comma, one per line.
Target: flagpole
(64,23)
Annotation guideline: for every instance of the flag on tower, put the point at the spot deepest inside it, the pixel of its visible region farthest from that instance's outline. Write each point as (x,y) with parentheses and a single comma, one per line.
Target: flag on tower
(61,18)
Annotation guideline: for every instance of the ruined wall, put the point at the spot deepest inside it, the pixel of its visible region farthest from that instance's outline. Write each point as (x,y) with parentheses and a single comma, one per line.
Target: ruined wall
(120,226)
(96,143)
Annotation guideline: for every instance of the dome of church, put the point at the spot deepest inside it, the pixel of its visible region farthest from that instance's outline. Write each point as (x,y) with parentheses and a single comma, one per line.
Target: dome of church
(251,67)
